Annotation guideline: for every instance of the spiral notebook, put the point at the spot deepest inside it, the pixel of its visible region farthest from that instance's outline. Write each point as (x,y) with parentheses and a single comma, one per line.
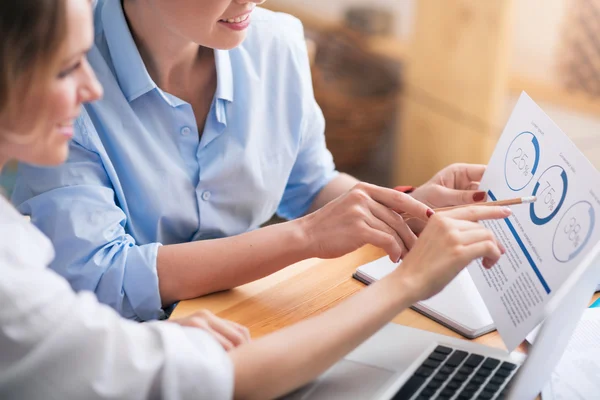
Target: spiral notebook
(458,307)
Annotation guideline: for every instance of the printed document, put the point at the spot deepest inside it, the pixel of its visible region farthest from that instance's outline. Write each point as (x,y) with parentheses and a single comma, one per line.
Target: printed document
(545,240)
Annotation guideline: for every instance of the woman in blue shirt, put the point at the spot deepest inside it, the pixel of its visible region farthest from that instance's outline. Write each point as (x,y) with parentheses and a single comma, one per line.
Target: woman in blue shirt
(208,127)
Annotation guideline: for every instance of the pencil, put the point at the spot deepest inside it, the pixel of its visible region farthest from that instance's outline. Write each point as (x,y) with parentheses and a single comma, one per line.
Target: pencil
(508,202)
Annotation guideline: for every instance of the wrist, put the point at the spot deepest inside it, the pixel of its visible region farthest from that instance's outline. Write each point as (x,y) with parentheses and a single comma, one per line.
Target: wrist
(407,287)
(302,236)
(397,292)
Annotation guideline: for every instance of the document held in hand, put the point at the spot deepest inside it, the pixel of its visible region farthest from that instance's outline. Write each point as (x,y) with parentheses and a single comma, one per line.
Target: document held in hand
(545,240)
(548,238)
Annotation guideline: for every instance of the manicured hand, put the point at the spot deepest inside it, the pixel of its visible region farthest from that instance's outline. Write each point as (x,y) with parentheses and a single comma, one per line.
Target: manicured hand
(367,214)
(449,242)
(228,333)
(454,185)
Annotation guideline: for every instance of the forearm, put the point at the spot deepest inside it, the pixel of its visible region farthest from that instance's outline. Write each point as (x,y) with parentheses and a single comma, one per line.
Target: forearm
(334,189)
(194,269)
(280,362)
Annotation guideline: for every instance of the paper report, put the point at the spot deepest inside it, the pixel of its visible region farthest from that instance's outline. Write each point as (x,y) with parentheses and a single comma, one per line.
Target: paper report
(545,240)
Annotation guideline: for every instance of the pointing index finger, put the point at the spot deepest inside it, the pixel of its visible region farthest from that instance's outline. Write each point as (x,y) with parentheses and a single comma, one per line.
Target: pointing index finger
(477,213)
(399,202)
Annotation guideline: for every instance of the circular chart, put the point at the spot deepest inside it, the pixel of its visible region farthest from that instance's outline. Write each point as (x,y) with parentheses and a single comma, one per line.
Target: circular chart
(521,162)
(574,231)
(551,190)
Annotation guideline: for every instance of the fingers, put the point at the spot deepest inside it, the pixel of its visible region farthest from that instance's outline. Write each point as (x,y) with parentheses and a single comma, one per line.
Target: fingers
(487,249)
(478,213)
(455,197)
(465,225)
(223,341)
(479,235)
(471,172)
(228,333)
(395,222)
(473,186)
(228,330)
(244,331)
(399,202)
(387,242)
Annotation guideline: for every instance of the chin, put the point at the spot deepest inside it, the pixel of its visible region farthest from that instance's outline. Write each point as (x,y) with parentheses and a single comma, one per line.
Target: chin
(230,43)
(48,158)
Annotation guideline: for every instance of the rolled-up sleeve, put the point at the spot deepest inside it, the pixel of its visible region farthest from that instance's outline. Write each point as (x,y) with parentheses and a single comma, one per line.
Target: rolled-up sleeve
(74,205)
(314,167)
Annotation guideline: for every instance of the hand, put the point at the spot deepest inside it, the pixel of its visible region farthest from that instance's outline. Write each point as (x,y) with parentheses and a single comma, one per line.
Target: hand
(453,186)
(228,333)
(367,214)
(450,241)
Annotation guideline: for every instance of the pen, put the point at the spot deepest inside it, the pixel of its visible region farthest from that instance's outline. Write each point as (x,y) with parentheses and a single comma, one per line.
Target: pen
(508,202)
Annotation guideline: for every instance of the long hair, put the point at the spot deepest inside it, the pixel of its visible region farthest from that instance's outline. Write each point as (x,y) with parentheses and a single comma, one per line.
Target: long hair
(31,35)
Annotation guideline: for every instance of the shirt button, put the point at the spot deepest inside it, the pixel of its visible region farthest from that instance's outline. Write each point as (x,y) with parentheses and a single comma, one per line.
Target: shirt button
(185,131)
(206,195)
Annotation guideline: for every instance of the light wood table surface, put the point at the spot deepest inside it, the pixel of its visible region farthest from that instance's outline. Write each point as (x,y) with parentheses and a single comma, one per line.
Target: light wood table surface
(301,291)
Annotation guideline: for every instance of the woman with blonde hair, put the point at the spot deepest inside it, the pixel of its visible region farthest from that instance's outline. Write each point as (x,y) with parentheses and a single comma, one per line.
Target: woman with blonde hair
(55,343)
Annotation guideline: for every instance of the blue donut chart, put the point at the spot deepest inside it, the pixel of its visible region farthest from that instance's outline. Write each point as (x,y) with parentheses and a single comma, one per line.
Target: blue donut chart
(559,243)
(543,220)
(512,176)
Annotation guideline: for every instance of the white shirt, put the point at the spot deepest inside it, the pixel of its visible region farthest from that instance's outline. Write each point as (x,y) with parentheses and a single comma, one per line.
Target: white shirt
(56,344)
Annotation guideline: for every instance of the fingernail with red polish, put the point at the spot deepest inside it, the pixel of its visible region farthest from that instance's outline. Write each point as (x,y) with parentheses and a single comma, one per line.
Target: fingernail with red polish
(479,196)
(502,248)
(430,213)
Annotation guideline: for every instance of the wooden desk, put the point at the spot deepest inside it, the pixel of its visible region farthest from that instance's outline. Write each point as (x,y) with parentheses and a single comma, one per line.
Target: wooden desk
(303,290)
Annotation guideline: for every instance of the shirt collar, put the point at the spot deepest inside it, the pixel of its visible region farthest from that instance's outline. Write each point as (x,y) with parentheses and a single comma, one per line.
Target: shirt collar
(131,72)
(129,67)
(224,75)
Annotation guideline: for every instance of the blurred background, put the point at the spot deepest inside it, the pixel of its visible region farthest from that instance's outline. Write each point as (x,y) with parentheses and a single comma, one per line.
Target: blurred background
(409,86)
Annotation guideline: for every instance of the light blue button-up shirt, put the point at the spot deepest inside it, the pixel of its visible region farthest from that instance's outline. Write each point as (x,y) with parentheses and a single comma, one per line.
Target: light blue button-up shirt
(139,175)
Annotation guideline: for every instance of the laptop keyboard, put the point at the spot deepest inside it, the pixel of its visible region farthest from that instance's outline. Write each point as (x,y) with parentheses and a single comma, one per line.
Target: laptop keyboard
(456,374)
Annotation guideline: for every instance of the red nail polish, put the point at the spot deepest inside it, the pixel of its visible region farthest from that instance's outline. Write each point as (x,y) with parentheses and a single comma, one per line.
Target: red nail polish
(429,213)
(479,196)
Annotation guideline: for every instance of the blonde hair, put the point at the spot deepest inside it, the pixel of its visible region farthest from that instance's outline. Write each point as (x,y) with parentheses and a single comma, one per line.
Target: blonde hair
(31,35)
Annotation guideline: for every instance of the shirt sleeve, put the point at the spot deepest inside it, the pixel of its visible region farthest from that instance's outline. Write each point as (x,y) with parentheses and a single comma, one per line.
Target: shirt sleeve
(57,344)
(74,205)
(314,167)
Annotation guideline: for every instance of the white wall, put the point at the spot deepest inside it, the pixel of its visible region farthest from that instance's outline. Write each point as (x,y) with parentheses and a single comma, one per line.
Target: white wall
(537,25)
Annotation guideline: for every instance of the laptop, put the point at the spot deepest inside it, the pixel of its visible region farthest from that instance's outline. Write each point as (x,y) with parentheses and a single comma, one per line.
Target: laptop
(403,363)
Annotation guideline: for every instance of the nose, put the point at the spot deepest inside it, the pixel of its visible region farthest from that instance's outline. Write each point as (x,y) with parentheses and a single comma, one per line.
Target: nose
(90,89)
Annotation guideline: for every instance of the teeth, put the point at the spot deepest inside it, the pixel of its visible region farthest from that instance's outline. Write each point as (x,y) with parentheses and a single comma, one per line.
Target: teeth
(236,20)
